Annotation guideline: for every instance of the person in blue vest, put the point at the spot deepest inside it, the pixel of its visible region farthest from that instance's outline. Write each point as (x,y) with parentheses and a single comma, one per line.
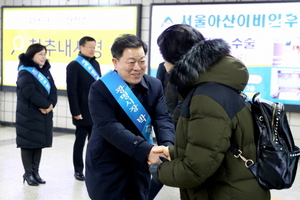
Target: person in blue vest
(36,98)
(81,73)
(125,104)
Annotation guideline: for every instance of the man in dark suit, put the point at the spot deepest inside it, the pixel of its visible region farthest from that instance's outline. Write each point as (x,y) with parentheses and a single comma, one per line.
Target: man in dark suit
(81,73)
(119,150)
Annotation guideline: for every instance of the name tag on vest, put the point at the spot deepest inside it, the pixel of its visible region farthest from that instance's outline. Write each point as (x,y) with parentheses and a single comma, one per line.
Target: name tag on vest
(88,67)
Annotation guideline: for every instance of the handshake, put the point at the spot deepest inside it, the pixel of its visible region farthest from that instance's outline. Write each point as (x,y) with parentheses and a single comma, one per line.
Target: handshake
(157,155)
(156,152)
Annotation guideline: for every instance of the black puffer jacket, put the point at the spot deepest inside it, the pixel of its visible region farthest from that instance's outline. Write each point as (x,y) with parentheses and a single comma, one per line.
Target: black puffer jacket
(34,129)
(212,118)
(173,103)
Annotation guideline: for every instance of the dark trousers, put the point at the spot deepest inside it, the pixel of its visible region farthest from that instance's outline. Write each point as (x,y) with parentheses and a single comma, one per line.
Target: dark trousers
(115,175)
(31,160)
(154,189)
(81,133)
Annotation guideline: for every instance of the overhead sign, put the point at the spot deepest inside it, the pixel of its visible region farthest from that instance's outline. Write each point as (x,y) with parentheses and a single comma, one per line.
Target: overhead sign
(60,28)
(265,36)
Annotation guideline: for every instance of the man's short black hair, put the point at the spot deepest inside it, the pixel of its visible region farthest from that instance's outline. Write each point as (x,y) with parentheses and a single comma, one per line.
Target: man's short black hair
(126,41)
(83,40)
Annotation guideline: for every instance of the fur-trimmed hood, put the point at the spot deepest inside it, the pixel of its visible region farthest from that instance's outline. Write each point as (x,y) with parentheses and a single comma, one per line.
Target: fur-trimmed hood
(209,61)
(26,61)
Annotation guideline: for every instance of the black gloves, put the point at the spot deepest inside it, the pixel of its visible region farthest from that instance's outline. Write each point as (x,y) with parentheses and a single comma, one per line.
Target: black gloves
(153,168)
(164,159)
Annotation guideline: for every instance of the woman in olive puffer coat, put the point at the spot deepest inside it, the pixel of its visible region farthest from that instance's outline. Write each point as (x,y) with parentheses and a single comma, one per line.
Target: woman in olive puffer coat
(213,117)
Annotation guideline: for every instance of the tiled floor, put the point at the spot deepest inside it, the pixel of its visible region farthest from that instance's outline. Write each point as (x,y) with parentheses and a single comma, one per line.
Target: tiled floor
(57,169)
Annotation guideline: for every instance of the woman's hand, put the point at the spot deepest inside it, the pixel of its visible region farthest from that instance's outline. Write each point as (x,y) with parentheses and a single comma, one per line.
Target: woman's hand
(46,111)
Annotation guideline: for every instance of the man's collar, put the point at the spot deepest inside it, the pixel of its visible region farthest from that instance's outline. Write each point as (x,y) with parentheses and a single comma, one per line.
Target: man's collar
(143,83)
(86,57)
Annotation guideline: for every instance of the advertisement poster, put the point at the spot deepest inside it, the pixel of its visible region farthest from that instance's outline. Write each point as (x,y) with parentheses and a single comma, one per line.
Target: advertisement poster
(60,29)
(265,36)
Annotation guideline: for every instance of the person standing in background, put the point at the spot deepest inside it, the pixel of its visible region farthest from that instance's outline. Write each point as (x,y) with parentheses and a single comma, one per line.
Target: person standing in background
(36,98)
(81,73)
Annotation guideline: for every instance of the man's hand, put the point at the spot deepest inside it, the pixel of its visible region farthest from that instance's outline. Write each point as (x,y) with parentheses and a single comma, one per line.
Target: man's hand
(78,117)
(164,150)
(155,152)
(43,110)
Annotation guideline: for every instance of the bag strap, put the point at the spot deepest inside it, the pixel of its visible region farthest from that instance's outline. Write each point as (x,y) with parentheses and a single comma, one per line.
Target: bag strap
(129,103)
(237,153)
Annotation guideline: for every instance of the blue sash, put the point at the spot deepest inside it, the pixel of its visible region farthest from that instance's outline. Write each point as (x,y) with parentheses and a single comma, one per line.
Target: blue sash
(88,67)
(39,76)
(129,103)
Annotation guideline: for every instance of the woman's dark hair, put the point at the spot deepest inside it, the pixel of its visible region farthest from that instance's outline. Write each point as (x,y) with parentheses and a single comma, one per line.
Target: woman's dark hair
(33,49)
(176,40)
(126,41)
(83,40)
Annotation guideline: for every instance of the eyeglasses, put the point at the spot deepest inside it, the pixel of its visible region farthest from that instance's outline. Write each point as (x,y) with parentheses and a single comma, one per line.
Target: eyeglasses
(90,47)
(42,54)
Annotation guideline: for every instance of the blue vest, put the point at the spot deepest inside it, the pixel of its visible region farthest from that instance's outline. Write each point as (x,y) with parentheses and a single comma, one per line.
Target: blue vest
(88,67)
(39,76)
(129,103)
